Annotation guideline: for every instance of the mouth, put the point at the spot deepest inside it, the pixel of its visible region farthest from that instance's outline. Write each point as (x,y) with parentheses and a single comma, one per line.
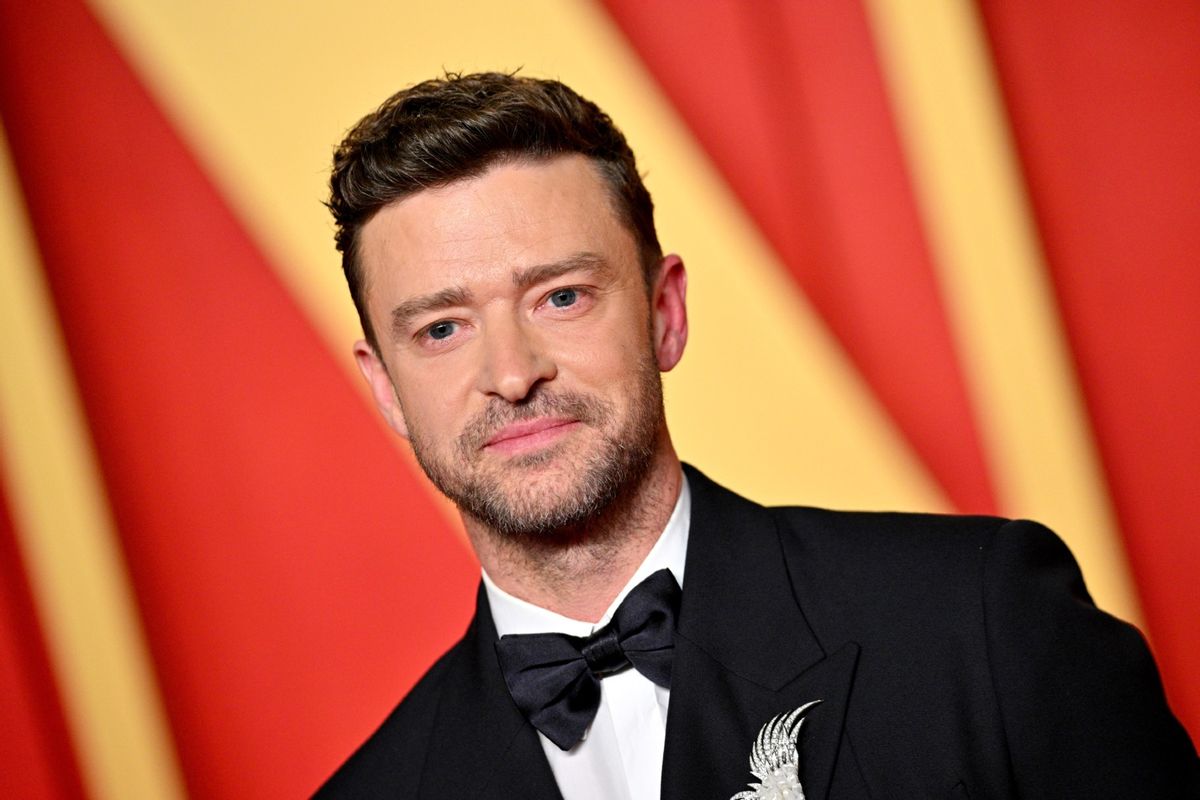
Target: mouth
(529,435)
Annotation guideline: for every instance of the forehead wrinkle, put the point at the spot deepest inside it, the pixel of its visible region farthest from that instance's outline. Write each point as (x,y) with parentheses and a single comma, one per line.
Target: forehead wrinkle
(403,314)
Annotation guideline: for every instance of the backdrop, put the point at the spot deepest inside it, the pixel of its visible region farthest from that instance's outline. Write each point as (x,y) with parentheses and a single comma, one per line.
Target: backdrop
(943,256)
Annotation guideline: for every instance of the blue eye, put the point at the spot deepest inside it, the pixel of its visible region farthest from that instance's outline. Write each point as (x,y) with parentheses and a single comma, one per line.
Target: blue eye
(562,298)
(441,330)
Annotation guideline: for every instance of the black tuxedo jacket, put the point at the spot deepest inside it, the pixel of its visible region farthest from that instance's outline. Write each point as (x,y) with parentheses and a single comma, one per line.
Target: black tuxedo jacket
(955,657)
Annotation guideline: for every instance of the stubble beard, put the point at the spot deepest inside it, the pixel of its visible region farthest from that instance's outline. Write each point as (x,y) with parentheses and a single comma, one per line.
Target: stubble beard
(519,501)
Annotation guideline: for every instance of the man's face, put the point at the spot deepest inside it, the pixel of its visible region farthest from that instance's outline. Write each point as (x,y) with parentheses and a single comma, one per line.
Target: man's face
(519,347)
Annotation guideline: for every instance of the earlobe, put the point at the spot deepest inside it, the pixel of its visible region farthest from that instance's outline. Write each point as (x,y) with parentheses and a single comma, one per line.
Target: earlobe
(380,383)
(670,312)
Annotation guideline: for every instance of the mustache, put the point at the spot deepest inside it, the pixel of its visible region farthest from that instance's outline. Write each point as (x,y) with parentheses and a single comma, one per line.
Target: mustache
(571,405)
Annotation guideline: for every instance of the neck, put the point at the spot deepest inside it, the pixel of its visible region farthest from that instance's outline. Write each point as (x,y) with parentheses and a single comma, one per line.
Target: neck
(580,576)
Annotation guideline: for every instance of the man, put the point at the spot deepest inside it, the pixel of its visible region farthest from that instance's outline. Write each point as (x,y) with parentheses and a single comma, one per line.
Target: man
(517,311)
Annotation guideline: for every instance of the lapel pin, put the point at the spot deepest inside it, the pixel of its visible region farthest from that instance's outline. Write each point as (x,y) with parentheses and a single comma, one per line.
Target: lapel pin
(775,759)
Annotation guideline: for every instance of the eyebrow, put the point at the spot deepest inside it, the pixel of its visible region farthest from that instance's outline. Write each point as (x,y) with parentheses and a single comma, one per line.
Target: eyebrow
(586,261)
(407,311)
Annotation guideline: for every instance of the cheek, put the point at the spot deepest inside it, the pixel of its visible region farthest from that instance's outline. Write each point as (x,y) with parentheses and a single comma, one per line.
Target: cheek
(429,399)
(605,363)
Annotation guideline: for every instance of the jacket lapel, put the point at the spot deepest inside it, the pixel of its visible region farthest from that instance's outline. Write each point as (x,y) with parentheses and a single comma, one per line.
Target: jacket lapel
(744,654)
(481,746)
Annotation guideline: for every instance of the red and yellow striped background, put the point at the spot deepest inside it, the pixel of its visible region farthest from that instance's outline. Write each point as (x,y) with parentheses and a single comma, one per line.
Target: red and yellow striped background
(944,256)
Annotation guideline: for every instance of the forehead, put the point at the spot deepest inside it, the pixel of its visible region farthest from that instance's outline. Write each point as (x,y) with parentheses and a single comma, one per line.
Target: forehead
(515,214)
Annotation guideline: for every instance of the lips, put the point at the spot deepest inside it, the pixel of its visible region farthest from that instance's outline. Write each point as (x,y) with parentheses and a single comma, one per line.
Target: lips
(530,433)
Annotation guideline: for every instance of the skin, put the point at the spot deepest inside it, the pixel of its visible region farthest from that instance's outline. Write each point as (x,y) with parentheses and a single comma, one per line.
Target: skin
(518,343)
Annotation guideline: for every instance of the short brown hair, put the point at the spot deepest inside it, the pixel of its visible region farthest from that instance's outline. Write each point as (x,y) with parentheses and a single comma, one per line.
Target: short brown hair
(451,128)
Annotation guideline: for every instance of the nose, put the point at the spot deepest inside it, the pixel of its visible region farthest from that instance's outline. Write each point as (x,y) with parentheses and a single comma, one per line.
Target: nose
(514,361)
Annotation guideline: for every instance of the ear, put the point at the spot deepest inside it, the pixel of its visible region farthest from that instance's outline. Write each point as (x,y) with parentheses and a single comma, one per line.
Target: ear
(380,383)
(669,311)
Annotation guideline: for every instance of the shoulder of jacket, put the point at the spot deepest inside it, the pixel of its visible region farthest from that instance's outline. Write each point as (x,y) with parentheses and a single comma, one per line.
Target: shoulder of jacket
(860,565)
(870,531)
(389,761)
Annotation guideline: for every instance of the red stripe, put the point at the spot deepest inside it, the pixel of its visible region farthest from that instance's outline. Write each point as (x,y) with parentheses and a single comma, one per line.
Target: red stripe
(1105,106)
(293,575)
(788,100)
(36,760)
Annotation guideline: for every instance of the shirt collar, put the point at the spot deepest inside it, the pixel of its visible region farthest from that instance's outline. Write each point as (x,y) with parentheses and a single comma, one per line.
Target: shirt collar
(514,615)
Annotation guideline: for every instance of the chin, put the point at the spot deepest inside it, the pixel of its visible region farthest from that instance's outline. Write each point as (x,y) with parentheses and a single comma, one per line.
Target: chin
(554,500)
(544,490)
(559,491)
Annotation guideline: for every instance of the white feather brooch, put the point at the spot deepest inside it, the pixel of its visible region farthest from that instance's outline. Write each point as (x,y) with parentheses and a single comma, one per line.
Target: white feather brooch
(775,759)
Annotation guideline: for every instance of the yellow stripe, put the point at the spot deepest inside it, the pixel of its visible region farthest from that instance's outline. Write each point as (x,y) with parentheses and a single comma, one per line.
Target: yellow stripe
(67,541)
(1000,304)
(764,400)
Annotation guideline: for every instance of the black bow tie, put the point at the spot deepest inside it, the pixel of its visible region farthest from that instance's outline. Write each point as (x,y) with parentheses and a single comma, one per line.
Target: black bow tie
(555,678)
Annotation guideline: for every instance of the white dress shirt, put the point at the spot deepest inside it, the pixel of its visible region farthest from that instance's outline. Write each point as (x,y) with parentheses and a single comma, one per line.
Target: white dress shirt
(620,756)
